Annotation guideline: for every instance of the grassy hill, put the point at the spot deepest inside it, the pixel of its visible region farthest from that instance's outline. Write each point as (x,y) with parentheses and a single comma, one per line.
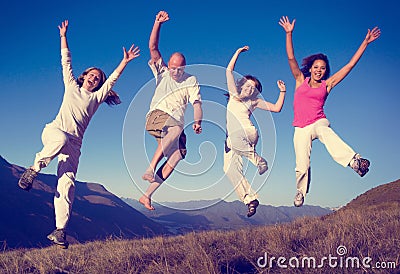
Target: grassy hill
(358,238)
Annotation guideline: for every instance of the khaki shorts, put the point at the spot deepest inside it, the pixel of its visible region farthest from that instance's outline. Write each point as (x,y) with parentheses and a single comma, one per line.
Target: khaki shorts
(157,124)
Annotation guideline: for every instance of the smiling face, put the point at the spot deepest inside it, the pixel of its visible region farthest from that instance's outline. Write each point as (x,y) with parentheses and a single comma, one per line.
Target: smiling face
(318,70)
(248,89)
(91,80)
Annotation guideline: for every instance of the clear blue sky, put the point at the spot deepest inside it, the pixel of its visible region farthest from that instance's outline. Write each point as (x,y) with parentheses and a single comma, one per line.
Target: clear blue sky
(363,109)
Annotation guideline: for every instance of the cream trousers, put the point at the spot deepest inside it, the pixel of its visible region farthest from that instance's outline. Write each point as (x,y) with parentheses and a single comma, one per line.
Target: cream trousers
(67,147)
(241,144)
(302,141)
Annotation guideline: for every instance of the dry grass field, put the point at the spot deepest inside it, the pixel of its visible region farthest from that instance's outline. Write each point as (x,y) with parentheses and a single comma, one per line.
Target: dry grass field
(362,237)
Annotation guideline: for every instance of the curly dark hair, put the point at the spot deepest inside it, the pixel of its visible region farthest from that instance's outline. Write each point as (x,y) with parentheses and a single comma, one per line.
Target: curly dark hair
(307,63)
(112,98)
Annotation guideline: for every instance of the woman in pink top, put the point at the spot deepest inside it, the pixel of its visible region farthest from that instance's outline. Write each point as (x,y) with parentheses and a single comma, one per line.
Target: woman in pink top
(313,85)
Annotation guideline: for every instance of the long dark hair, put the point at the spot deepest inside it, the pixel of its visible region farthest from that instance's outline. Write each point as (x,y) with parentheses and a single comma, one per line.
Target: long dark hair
(112,98)
(243,80)
(307,63)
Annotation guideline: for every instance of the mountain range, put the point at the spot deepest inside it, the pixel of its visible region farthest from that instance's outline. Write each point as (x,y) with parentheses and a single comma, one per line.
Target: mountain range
(222,215)
(27,217)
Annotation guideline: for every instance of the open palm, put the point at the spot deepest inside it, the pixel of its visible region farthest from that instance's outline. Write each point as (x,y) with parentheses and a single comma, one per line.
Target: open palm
(132,53)
(286,25)
(372,35)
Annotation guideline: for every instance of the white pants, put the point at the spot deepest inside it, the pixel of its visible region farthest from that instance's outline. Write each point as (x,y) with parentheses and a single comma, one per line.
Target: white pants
(241,144)
(67,147)
(302,141)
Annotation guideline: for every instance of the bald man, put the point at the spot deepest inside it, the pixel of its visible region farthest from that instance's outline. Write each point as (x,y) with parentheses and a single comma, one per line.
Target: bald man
(175,89)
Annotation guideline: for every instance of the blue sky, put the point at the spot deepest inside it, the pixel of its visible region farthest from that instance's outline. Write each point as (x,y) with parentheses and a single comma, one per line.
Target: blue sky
(363,109)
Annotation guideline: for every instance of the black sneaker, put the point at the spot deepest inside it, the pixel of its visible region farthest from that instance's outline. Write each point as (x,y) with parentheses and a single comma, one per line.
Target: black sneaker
(298,199)
(252,207)
(27,178)
(58,237)
(360,165)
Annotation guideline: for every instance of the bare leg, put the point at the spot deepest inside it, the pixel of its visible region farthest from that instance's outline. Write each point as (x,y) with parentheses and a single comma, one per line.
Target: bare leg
(162,174)
(158,155)
(164,145)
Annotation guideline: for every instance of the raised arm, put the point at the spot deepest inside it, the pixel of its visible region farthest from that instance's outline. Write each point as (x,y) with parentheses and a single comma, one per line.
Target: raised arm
(63,34)
(229,71)
(129,55)
(155,54)
(294,66)
(277,107)
(335,79)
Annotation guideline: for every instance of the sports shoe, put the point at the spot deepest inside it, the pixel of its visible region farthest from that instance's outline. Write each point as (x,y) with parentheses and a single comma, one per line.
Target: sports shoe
(262,165)
(298,199)
(360,165)
(252,207)
(27,178)
(58,237)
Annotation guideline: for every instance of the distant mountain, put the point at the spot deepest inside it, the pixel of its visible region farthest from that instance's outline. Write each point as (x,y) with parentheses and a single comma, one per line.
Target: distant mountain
(221,215)
(27,217)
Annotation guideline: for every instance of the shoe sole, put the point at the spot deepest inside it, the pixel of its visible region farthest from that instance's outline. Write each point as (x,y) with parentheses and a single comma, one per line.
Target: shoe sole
(252,213)
(365,168)
(298,205)
(24,186)
(362,174)
(61,245)
(261,172)
(254,206)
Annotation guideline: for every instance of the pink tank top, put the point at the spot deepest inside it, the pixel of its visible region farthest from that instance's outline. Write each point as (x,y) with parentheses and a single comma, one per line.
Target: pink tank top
(308,104)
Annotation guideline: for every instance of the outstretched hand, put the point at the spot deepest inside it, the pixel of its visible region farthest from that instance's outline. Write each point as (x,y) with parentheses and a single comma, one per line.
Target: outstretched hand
(63,28)
(242,49)
(162,17)
(131,54)
(286,25)
(372,35)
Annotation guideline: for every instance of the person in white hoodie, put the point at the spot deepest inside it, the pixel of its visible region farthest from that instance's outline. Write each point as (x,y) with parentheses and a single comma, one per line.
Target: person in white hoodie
(62,137)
